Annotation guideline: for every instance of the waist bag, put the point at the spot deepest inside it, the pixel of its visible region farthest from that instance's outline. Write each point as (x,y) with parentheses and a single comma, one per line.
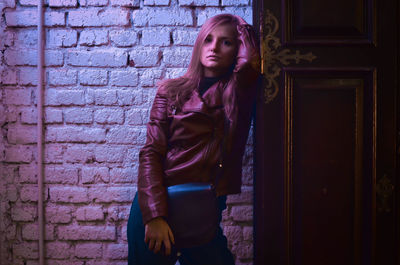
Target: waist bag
(192,213)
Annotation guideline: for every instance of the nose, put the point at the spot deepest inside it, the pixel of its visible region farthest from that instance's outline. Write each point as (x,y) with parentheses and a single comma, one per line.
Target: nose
(214,46)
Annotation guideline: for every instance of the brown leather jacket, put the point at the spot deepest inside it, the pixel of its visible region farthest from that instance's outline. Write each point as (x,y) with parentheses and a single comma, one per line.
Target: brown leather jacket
(184,145)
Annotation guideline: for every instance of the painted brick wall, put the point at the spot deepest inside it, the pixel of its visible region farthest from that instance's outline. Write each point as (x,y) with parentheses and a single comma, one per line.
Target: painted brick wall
(103,58)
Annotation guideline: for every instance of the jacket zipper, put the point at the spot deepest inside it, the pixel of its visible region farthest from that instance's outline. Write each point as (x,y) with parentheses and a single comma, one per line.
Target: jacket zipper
(209,143)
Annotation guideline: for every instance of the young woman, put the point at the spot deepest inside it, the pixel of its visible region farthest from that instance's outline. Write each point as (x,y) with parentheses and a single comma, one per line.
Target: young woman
(190,118)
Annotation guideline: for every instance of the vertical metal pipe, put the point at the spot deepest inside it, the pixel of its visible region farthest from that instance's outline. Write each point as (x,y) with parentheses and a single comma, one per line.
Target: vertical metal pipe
(40,129)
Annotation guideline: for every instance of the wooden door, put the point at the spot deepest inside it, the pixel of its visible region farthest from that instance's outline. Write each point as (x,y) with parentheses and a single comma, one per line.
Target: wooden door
(325,147)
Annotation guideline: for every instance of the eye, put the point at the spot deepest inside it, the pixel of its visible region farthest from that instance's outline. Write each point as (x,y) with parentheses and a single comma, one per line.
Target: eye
(227,43)
(208,39)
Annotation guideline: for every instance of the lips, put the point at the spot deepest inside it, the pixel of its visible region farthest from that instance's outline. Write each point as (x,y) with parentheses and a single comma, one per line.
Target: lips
(213,57)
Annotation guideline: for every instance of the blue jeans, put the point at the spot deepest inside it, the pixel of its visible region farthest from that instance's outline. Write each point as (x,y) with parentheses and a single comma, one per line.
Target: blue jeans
(214,253)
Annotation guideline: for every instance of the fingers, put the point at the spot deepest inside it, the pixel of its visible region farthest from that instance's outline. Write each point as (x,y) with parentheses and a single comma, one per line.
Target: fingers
(171,236)
(243,27)
(167,245)
(157,233)
(168,242)
(246,36)
(155,242)
(152,243)
(239,29)
(157,246)
(146,237)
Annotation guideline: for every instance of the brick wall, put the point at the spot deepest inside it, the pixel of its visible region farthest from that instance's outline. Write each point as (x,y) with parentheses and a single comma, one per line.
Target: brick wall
(103,58)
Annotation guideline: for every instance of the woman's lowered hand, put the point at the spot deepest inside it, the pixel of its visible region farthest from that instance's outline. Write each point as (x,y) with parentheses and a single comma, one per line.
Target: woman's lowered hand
(158,232)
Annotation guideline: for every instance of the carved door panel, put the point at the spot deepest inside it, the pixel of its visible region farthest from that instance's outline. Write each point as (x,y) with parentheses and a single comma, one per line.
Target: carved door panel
(325,148)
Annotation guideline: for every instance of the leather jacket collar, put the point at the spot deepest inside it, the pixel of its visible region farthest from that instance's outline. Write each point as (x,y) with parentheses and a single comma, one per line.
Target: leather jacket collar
(211,99)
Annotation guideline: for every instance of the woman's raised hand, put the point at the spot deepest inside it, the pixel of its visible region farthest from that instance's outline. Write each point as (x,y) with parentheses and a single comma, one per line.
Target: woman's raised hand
(158,232)
(248,52)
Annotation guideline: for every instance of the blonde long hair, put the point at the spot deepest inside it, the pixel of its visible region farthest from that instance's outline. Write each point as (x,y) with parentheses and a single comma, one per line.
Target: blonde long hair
(180,89)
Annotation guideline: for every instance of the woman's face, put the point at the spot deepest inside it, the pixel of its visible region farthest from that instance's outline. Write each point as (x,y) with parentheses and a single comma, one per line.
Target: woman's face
(219,50)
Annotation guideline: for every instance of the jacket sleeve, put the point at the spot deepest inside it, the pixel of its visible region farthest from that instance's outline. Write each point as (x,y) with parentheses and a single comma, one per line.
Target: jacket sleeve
(152,193)
(247,68)
(242,90)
